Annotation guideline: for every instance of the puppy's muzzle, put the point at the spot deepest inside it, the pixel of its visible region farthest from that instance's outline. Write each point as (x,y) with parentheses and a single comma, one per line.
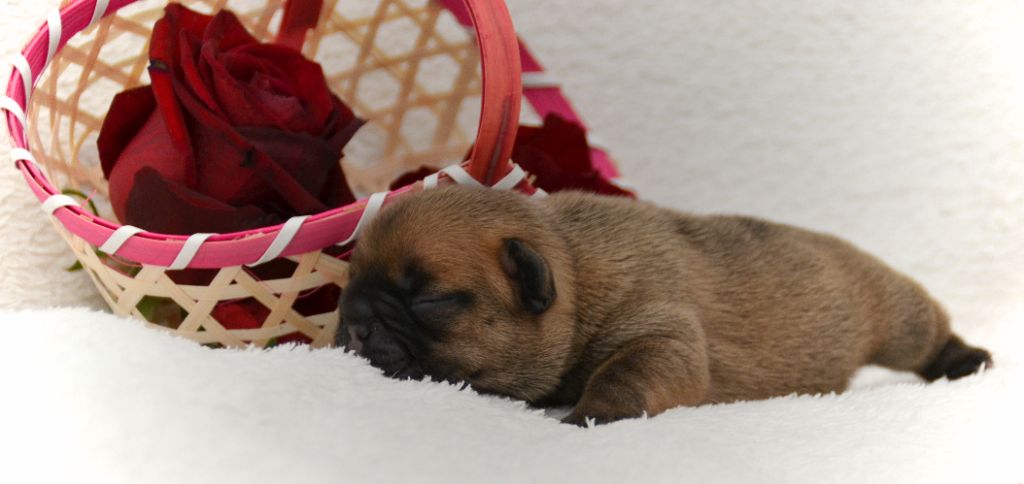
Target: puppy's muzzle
(366,332)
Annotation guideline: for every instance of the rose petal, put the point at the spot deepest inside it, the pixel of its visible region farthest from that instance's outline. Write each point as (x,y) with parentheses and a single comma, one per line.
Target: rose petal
(164,45)
(149,147)
(128,113)
(312,162)
(306,77)
(227,32)
(188,70)
(242,314)
(342,126)
(285,111)
(273,175)
(174,121)
(164,56)
(558,155)
(163,206)
(224,155)
(561,140)
(231,96)
(270,85)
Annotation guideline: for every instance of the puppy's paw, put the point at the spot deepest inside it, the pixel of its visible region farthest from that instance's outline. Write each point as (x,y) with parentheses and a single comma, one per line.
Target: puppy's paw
(957,360)
(599,415)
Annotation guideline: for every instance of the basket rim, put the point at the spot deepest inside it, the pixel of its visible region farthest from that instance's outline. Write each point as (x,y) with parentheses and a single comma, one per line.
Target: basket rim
(503,56)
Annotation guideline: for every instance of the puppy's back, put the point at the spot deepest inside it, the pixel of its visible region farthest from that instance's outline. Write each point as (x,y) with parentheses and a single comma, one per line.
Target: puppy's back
(782,309)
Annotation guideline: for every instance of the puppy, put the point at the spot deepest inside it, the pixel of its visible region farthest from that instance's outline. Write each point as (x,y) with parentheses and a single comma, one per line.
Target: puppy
(620,308)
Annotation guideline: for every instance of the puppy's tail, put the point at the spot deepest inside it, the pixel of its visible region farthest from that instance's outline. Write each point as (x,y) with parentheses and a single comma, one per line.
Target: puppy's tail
(955,360)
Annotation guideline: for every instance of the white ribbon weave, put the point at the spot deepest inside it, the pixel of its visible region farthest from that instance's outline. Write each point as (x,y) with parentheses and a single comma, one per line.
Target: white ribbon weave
(19,154)
(281,241)
(188,251)
(461,176)
(538,80)
(373,205)
(54,202)
(14,108)
(118,238)
(98,12)
(510,180)
(54,27)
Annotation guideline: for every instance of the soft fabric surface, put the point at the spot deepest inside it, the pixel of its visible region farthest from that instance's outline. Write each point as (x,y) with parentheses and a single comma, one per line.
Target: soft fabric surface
(95,398)
(899,126)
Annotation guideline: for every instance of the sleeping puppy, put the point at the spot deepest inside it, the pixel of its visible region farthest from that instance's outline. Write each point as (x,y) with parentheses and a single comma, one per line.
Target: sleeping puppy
(620,308)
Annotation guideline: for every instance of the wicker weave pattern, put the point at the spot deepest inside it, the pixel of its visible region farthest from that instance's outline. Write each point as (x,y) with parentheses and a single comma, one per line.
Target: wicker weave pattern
(404,65)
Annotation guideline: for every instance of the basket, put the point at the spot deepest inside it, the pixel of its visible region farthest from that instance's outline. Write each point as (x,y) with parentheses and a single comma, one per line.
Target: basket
(433,78)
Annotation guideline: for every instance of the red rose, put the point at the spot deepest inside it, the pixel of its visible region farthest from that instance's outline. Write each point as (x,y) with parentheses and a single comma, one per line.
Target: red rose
(233,134)
(556,154)
(241,314)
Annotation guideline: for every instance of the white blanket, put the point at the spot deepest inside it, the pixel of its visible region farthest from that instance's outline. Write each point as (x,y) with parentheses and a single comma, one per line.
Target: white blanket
(92,398)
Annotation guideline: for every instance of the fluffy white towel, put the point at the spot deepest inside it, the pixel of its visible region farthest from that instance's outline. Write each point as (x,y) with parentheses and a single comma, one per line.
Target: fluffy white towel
(89,397)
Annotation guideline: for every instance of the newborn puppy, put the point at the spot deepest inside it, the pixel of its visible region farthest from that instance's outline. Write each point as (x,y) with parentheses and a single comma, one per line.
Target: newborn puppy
(621,308)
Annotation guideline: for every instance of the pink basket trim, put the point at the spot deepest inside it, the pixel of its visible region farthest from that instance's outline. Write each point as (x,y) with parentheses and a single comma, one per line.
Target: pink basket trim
(13,108)
(20,64)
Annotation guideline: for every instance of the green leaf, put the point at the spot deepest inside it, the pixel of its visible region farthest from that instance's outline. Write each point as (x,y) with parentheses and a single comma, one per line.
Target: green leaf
(149,305)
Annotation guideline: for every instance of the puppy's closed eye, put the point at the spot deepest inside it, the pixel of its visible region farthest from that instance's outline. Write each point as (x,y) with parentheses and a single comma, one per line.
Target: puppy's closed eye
(430,304)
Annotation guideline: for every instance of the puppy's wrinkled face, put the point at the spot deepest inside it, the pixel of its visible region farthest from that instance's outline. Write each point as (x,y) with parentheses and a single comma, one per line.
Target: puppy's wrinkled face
(458,284)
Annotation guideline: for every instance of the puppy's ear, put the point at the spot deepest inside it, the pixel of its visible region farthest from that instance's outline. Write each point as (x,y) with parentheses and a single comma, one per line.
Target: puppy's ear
(530,275)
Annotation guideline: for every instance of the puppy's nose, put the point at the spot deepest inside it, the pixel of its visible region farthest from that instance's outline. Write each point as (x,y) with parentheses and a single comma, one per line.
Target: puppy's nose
(356,336)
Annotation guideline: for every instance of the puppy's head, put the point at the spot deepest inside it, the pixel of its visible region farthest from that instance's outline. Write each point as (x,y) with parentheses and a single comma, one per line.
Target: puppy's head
(462,284)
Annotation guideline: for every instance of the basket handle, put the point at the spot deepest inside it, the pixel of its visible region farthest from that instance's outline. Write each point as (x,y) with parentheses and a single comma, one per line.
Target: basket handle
(502,86)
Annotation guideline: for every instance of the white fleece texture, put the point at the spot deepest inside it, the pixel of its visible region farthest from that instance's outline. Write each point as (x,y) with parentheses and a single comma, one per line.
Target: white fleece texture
(897,125)
(93,398)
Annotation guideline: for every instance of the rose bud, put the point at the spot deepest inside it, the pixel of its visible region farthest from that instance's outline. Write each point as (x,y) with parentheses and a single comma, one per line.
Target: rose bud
(556,154)
(232,134)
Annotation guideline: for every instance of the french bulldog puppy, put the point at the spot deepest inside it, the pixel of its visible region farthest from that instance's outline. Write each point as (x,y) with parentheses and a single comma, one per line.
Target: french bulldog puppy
(620,308)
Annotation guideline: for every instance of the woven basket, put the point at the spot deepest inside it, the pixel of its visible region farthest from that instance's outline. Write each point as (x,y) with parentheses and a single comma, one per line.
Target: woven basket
(432,78)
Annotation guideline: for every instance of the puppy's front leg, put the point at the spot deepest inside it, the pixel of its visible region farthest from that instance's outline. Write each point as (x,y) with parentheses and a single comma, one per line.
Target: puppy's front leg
(649,374)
